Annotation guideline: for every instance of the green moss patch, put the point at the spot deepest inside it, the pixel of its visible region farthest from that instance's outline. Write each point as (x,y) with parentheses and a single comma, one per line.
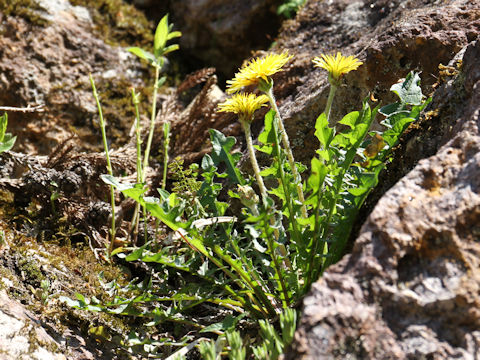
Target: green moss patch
(27,9)
(118,22)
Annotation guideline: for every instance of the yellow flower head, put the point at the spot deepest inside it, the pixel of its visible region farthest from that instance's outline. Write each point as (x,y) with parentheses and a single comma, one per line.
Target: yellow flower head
(244,105)
(257,69)
(337,65)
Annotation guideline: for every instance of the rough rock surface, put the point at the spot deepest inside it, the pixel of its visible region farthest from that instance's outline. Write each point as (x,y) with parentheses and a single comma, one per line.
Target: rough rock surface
(390,37)
(21,337)
(49,64)
(411,287)
(34,322)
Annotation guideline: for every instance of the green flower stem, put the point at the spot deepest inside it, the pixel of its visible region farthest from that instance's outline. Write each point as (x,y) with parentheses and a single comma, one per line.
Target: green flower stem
(293,222)
(109,165)
(150,138)
(288,150)
(138,140)
(263,192)
(331,95)
(319,228)
(152,123)
(253,159)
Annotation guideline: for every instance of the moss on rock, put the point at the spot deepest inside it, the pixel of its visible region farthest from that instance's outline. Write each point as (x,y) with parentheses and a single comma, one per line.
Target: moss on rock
(27,9)
(118,22)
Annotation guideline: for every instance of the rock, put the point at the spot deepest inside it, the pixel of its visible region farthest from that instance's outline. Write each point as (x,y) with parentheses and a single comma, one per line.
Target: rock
(48,63)
(390,37)
(410,289)
(21,337)
(55,10)
(34,321)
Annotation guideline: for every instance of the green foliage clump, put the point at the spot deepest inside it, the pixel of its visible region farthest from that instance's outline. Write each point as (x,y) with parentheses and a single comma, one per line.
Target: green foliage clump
(290,7)
(261,263)
(250,270)
(271,345)
(7,140)
(157,59)
(163,34)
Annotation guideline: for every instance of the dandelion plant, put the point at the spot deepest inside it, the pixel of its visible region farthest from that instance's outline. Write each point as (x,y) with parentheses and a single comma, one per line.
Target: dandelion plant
(259,72)
(336,66)
(258,264)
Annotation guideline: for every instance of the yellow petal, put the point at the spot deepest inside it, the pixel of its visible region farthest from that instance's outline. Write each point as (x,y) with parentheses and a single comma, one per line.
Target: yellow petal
(243,104)
(256,69)
(337,65)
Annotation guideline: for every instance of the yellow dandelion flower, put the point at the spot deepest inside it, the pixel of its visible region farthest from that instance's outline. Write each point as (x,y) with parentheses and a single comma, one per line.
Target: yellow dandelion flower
(243,104)
(337,65)
(256,70)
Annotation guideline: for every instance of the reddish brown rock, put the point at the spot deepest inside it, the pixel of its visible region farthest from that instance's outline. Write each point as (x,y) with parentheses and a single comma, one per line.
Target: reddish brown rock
(411,287)
(49,64)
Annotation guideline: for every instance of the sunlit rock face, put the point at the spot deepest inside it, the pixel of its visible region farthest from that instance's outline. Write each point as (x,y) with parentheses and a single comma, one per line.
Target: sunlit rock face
(21,337)
(47,62)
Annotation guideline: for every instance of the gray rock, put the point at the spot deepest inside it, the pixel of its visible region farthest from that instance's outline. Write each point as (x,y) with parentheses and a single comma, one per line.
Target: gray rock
(55,8)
